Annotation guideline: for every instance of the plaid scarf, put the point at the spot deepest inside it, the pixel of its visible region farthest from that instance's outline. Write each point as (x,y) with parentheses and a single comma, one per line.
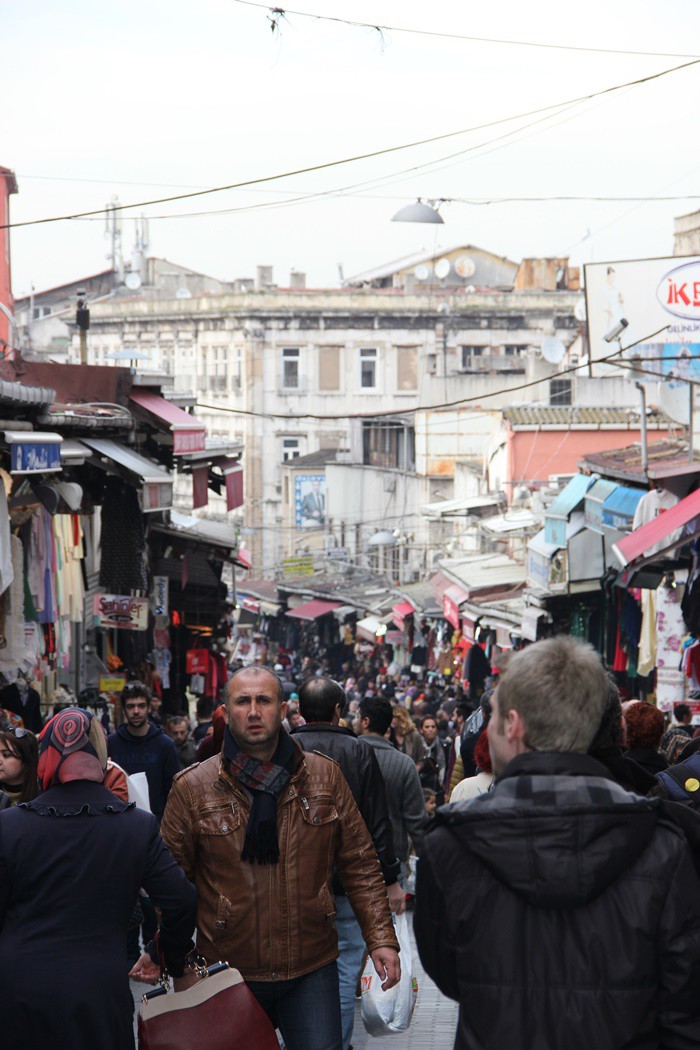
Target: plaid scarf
(266,781)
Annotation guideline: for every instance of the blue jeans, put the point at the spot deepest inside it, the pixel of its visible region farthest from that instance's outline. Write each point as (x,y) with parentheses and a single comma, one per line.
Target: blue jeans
(351,947)
(306,1009)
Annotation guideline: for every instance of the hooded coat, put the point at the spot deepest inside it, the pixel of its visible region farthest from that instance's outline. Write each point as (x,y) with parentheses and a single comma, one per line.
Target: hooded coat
(560,911)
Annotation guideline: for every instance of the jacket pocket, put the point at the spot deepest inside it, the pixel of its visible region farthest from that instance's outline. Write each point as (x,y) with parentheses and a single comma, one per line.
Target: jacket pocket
(319,810)
(221,821)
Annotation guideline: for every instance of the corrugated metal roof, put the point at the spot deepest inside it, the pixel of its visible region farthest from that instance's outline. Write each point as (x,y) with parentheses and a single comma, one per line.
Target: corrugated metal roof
(19,394)
(665,458)
(570,415)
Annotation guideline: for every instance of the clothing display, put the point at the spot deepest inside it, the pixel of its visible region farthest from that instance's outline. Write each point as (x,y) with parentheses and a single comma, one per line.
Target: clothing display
(123,541)
(649,507)
(648,637)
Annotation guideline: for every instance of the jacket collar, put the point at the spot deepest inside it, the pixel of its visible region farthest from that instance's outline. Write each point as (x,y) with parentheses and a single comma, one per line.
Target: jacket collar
(377,741)
(553,763)
(323,727)
(74,798)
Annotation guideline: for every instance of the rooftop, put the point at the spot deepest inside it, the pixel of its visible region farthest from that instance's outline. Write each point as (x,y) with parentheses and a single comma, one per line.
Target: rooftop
(666,459)
(557,416)
(320,458)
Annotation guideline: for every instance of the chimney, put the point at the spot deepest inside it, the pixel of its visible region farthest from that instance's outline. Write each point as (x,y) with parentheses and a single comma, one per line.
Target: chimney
(297,279)
(263,278)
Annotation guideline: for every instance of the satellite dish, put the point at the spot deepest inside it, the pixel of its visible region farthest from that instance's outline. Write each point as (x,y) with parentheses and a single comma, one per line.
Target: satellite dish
(442,268)
(132,281)
(465,267)
(421,272)
(183,293)
(580,310)
(553,350)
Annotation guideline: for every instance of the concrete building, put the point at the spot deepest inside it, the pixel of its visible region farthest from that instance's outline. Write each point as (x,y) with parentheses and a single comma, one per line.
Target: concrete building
(8,186)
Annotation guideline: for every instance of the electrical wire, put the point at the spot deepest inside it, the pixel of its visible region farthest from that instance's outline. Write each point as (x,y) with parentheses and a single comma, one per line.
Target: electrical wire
(352,159)
(280,12)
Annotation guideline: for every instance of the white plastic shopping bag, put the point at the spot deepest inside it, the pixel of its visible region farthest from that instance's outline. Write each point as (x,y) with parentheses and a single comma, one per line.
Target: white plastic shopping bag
(137,786)
(384,1013)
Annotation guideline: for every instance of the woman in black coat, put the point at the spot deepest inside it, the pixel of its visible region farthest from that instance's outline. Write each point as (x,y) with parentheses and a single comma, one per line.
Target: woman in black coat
(71,865)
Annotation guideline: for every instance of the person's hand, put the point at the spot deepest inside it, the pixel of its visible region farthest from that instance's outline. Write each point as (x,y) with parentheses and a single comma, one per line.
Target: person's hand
(145,970)
(386,963)
(397,898)
(181,984)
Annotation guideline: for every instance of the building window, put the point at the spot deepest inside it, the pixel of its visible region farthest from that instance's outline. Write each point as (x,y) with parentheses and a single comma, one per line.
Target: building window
(329,368)
(469,355)
(368,369)
(407,368)
(238,369)
(560,392)
(40,311)
(290,368)
(290,449)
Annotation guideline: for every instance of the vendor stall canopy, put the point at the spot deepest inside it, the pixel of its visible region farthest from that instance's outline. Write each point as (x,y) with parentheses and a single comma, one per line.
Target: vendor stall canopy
(312,610)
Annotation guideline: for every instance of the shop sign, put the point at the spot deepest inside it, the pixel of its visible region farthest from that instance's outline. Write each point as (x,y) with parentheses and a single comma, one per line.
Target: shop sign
(120,611)
(156,496)
(160,595)
(338,554)
(111,683)
(395,638)
(302,566)
(35,457)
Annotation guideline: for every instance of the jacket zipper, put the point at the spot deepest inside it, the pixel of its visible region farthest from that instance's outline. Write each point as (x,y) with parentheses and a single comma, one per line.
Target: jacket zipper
(306,805)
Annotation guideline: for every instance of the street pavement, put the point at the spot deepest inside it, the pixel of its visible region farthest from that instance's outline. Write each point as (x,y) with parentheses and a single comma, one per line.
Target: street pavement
(432,1028)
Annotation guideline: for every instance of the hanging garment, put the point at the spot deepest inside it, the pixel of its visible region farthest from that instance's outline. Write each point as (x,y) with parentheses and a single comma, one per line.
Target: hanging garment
(649,507)
(648,637)
(123,543)
(6,570)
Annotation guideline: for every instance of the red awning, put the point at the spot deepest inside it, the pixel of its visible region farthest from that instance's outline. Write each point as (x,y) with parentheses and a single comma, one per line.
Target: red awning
(244,558)
(188,433)
(643,539)
(400,612)
(312,610)
(451,601)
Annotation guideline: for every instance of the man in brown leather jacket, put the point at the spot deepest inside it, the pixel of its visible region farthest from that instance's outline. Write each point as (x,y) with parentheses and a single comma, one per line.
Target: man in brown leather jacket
(258,829)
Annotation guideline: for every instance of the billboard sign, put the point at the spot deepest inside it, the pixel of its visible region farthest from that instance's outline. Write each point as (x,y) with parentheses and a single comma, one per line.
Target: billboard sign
(651,294)
(309,501)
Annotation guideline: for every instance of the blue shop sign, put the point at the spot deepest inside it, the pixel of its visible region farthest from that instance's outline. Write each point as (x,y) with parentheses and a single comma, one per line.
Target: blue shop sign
(35,456)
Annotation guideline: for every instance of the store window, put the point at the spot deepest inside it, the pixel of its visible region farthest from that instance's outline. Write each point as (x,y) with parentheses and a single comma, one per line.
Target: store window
(290,368)
(368,369)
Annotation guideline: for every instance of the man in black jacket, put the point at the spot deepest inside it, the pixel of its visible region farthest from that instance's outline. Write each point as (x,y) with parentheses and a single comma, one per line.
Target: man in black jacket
(321,701)
(560,910)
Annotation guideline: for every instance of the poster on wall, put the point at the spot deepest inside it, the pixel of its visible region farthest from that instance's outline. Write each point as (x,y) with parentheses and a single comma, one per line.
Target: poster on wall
(660,301)
(310,501)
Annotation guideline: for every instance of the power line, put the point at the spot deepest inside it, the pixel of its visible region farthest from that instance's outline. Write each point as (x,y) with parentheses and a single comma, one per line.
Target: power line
(279,12)
(353,159)
(439,406)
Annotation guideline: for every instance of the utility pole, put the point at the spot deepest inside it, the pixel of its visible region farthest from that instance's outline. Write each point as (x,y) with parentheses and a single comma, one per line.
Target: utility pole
(82,321)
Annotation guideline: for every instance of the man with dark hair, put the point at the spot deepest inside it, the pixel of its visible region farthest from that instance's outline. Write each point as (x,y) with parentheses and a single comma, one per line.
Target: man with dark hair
(140,747)
(259,828)
(178,729)
(554,857)
(321,702)
(403,787)
(205,709)
(684,718)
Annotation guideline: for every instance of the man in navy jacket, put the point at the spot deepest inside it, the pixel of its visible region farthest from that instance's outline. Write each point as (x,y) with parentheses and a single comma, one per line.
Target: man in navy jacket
(140,747)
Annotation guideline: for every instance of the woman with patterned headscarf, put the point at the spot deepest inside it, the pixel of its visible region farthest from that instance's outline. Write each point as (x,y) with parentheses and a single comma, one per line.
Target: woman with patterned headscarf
(72,862)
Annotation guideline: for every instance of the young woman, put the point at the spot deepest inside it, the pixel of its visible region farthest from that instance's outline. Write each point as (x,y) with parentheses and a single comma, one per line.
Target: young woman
(404,735)
(19,755)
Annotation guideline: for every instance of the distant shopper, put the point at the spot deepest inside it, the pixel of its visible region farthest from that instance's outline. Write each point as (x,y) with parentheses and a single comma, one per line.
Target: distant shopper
(19,754)
(645,727)
(482,780)
(205,707)
(178,729)
(140,747)
(684,718)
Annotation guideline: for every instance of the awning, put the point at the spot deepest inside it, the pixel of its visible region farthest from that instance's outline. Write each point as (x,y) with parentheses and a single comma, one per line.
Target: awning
(370,628)
(451,507)
(188,433)
(451,601)
(641,542)
(400,612)
(562,507)
(619,507)
(312,610)
(595,498)
(157,493)
(207,535)
(232,470)
(245,558)
(439,583)
(249,604)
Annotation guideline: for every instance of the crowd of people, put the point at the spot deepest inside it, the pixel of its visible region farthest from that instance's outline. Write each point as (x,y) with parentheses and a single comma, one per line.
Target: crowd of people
(555,830)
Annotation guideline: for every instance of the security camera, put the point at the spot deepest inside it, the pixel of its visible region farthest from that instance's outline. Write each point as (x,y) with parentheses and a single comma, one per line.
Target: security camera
(616,330)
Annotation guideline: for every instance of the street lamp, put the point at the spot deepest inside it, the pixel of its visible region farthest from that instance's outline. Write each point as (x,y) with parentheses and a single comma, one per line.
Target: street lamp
(419,212)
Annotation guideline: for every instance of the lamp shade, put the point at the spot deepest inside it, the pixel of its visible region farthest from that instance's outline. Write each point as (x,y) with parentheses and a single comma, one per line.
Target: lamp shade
(418,212)
(383,538)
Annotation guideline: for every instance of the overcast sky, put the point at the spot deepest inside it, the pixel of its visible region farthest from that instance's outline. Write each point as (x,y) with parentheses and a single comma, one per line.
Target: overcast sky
(143,98)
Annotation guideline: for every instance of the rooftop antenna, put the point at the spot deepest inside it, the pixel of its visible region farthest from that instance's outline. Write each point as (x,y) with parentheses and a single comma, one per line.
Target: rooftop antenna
(113,230)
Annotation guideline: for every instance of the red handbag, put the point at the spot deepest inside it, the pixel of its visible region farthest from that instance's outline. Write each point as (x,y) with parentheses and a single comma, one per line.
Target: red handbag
(218,1013)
